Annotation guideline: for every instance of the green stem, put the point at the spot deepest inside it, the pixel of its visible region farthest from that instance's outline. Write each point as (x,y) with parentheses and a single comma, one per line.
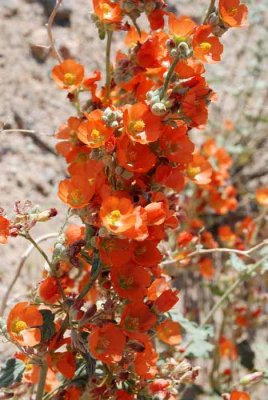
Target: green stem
(169,76)
(42,382)
(108,63)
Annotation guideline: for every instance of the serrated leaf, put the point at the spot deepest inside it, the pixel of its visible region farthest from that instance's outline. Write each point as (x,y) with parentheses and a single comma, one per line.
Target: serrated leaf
(200,346)
(11,373)
(237,263)
(48,328)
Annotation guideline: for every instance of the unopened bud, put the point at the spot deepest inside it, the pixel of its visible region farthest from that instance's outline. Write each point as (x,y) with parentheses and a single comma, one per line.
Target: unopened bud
(159,109)
(170,44)
(174,53)
(184,48)
(213,19)
(251,378)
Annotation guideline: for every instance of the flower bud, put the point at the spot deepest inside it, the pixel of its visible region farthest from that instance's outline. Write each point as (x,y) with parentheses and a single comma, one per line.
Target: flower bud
(213,19)
(174,53)
(159,109)
(184,49)
(251,378)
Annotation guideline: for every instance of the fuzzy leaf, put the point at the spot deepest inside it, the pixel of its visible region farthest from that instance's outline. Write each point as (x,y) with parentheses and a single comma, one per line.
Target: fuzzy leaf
(11,372)
(237,263)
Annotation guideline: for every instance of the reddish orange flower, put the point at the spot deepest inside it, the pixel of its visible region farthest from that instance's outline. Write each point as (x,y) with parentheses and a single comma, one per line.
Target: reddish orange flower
(141,125)
(233,13)
(171,177)
(69,135)
(137,317)
(156,213)
(188,68)
(122,395)
(23,324)
(107,343)
(176,145)
(227,348)
(145,362)
(184,238)
(146,253)
(150,53)
(93,132)
(133,156)
(64,362)
(207,48)
(157,288)
(130,282)
(72,393)
(114,251)
(107,11)
(49,290)
(181,28)
(206,268)
(4,229)
(169,332)
(68,75)
(199,170)
(236,395)
(117,214)
(262,196)
(166,300)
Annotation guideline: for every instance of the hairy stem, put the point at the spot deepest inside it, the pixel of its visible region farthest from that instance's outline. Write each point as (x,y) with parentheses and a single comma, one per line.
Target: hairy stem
(169,76)
(42,382)
(50,34)
(211,8)
(108,63)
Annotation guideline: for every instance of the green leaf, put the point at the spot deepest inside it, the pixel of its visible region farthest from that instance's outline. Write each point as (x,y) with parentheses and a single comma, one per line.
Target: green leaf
(237,263)
(12,372)
(48,328)
(199,337)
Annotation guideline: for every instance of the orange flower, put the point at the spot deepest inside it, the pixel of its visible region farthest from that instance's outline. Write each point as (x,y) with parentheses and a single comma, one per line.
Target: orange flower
(169,332)
(130,282)
(23,324)
(176,145)
(94,133)
(157,288)
(236,395)
(4,229)
(107,343)
(206,48)
(64,362)
(145,362)
(74,232)
(171,177)
(262,196)
(137,317)
(188,68)
(49,291)
(206,268)
(181,28)
(77,191)
(227,348)
(117,214)
(141,125)
(133,156)
(107,11)
(69,135)
(166,300)
(68,75)
(199,170)
(233,13)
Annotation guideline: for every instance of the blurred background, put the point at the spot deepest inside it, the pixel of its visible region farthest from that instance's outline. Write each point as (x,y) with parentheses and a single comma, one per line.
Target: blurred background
(29,166)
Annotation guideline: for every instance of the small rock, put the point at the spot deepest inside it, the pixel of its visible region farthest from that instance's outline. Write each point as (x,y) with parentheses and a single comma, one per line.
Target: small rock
(39,44)
(10,7)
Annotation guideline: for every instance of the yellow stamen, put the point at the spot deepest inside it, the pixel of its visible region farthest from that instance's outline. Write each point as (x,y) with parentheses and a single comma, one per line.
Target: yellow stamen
(137,126)
(69,78)
(106,9)
(114,217)
(193,171)
(205,46)
(232,11)
(76,197)
(96,136)
(18,326)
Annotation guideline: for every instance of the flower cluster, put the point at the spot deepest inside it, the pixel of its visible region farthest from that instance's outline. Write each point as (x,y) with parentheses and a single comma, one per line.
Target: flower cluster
(98,326)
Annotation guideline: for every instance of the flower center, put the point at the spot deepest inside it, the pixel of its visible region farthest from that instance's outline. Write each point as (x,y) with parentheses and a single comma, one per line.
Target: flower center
(69,78)
(193,171)
(232,11)
(103,345)
(18,326)
(132,323)
(96,136)
(114,217)
(137,126)
(205,46)
(76,197)
(125,282)
(106,9)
